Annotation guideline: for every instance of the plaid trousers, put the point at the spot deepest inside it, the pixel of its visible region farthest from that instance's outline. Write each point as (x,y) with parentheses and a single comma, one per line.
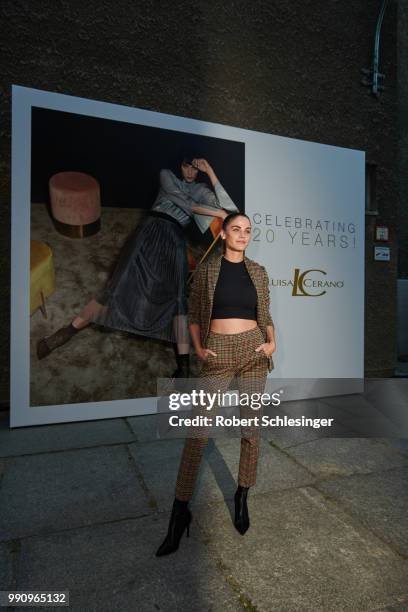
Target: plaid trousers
(236,358)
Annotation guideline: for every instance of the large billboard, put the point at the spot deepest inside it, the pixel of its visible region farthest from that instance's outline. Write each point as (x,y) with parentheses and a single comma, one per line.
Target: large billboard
(306,205)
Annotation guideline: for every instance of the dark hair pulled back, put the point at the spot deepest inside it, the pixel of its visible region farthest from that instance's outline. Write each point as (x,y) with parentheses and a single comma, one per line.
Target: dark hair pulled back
(232,216)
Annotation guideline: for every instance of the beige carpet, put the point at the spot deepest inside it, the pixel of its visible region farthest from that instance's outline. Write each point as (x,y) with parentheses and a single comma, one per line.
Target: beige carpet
(97,364)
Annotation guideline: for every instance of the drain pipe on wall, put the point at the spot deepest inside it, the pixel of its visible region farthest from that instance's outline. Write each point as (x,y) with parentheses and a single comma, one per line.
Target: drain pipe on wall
(375,78)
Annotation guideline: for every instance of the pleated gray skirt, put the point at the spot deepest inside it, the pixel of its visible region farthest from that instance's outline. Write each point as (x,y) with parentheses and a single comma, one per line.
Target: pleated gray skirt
(146,294)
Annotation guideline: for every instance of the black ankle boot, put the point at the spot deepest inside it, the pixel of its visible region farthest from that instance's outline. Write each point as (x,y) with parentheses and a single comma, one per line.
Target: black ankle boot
(179,521)
(241,510)
(183,366)
(46,345)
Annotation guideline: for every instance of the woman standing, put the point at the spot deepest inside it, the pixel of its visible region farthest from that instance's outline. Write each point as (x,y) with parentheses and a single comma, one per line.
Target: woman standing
(146,294)
(233,335)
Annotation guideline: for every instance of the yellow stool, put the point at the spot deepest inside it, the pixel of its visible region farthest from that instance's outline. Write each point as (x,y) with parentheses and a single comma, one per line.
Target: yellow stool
(42,276)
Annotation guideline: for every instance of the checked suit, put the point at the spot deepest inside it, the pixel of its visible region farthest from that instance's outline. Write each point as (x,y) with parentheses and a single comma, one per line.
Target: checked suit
(236,359)
(202,295)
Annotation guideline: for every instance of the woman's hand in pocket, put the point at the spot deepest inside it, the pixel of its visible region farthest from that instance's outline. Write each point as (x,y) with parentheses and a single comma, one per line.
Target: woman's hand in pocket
(203,354)
(267,348)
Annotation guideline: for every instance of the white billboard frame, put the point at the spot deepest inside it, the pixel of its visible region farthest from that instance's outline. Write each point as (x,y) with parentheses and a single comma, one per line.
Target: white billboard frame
(260,195)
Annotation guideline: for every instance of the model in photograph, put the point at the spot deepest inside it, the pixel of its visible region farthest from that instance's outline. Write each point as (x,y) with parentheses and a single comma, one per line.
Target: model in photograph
(233,336)
(146,294)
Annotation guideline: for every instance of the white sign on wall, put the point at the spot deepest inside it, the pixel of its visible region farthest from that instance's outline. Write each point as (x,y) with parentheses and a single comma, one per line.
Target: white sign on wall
(306,202)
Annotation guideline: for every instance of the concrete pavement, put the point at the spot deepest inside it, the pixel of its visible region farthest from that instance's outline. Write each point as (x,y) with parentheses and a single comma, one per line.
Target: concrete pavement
(84,506)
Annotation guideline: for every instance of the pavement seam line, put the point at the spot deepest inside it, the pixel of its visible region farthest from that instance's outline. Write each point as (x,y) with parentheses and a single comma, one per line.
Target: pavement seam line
(292,445)
(283,451)
(375,440)
(393,448)
(41,534)
(344,476)
(68,450)
(235,585)
(232,582)
(3,471)
(150,497)
(336,504)
(128,425)
(316,475)
(312,440)
(14,547)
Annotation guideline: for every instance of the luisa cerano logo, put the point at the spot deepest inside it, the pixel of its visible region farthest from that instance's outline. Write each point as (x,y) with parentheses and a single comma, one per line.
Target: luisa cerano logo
(308,283)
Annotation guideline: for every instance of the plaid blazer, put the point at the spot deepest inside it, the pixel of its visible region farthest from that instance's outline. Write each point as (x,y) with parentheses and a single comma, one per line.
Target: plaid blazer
(200,301)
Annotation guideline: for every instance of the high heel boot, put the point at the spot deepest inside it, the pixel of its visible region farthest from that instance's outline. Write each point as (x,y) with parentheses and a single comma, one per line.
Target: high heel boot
(241,510)
(46,345)
(179,521)
(183,366)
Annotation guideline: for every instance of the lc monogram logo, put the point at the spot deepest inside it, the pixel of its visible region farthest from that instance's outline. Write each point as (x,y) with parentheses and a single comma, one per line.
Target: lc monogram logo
(305,284)
(301,283)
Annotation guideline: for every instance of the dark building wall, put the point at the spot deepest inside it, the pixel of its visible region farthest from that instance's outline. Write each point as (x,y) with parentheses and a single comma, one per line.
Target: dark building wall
(403,136)
(291,69)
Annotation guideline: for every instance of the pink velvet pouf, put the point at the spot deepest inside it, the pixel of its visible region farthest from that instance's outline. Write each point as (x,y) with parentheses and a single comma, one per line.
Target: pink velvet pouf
(75,204)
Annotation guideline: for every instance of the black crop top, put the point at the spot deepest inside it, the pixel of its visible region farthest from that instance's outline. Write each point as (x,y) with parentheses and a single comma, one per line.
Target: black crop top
(235,296)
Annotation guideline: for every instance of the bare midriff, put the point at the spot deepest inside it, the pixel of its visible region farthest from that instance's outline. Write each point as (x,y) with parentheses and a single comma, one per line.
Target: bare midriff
(232,326)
